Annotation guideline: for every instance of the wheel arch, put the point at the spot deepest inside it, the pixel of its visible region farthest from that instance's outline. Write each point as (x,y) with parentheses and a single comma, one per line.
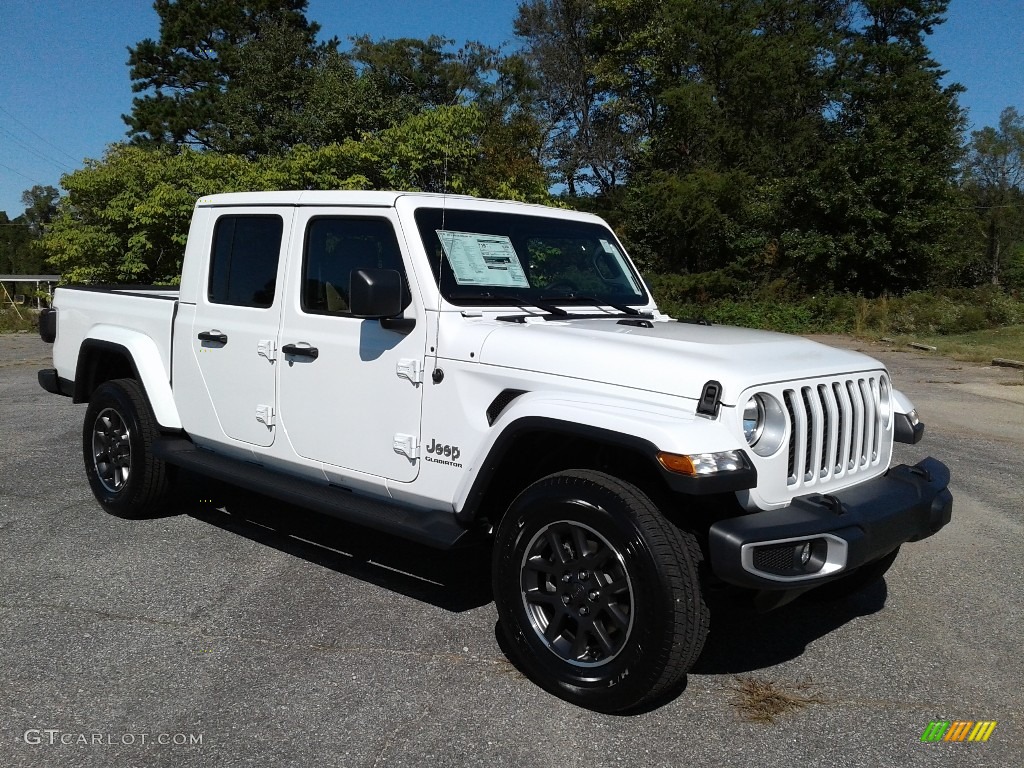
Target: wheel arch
(114,353)
(534,446)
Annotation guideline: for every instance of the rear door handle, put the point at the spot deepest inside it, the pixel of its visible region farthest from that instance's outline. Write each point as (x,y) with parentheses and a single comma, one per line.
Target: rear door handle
(297,351)
(220,338)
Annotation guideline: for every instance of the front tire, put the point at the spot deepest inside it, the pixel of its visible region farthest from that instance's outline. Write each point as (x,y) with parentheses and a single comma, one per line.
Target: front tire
(117,445)
(598,594)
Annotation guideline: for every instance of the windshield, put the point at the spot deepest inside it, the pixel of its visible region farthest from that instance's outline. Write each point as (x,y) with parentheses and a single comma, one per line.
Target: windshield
(507,258)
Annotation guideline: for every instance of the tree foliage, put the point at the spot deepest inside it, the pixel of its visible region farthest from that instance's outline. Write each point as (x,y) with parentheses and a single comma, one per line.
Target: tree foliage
(250,78)
(885,195)
(586,147)
(225,76)
(812,141)
(125,217)
(994,182)
(784,142)
(15,246)
(20,253)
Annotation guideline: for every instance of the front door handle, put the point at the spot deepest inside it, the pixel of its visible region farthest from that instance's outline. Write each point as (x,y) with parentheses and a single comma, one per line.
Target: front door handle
(220,338)
(297,351)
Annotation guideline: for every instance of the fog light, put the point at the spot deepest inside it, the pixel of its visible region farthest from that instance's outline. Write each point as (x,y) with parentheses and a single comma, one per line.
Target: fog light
(796,559)
(791,559)
(804,553)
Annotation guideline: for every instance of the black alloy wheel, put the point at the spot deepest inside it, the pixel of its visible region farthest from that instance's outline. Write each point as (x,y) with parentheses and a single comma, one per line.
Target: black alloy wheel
(117,446)
(598,594)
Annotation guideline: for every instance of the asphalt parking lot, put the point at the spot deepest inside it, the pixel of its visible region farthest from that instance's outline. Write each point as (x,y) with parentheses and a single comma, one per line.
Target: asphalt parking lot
(241,633)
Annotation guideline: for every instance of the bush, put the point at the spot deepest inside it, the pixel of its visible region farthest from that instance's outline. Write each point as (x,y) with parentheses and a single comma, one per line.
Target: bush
(10,320)
(720,298)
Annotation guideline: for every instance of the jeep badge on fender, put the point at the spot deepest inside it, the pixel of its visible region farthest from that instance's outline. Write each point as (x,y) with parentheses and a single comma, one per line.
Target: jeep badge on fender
(448,451)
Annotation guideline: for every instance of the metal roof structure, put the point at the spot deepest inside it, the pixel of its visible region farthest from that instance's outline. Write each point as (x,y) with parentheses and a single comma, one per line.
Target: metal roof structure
(17,298)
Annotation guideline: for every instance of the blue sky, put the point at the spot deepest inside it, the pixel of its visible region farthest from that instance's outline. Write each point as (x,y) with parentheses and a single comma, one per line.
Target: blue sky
(64,84)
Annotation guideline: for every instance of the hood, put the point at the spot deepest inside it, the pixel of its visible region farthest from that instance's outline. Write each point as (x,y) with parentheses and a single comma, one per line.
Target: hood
(671,358)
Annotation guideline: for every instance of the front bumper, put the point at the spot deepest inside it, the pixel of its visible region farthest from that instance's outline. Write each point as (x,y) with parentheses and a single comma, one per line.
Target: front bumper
(818,538)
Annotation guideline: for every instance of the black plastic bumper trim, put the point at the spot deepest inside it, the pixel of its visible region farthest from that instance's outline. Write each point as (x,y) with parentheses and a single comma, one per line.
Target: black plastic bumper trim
(54,384)
(905,432)
(873,518)
(48,325)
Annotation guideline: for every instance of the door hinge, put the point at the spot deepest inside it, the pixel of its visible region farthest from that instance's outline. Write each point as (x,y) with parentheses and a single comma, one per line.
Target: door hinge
(407,445)
(265,414)
(410,368)
(267,348)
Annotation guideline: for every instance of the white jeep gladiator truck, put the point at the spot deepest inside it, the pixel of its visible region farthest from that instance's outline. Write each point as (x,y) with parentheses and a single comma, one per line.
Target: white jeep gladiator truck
(449,369)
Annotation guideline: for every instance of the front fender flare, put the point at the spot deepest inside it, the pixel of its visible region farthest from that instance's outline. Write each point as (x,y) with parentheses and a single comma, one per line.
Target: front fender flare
(643,428)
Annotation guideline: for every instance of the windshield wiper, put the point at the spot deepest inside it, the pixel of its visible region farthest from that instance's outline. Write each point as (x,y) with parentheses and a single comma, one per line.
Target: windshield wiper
(624,308)
(519,301)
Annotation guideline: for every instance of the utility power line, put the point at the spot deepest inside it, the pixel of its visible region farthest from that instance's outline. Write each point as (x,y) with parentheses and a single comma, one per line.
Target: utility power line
(19,173)
(40,138)
(46,158)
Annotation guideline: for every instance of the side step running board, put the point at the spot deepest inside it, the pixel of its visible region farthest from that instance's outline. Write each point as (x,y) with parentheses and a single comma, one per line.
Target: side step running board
(435,528)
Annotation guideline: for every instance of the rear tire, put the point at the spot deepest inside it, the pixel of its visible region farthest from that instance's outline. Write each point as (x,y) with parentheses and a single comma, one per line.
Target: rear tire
(117,445)
(598,595)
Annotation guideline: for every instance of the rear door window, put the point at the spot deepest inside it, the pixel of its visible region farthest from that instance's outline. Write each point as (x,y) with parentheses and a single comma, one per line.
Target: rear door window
(243,268)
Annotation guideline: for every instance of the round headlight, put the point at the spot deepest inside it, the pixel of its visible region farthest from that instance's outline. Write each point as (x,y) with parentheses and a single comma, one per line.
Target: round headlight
(885,401)
(753,420)
(764,424)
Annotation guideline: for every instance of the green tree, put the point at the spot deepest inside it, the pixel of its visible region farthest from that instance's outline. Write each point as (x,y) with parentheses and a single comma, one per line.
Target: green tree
(15,240)
(125,218)
(19,239)
(248,78)
(218,60)
(586,145)
(448,149)
(994,179)
(40,207)
(725,85)
(884,196)
(409,75)
(727,103)
(785,138)
(263,108)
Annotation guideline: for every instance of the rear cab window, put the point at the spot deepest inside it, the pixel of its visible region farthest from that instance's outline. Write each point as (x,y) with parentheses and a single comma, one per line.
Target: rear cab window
(244,260)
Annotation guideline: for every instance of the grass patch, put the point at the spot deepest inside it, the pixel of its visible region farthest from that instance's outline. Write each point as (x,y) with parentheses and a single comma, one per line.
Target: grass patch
(762,701)
(10,321)
(975,346)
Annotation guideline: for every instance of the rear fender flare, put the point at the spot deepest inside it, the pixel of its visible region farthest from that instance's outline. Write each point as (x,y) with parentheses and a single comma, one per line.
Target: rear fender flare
(146,361)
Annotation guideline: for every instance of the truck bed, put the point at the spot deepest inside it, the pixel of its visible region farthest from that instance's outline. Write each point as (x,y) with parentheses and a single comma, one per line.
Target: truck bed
(115,314)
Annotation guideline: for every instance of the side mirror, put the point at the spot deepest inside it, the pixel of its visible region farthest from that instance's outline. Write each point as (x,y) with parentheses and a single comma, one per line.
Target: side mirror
(375,294)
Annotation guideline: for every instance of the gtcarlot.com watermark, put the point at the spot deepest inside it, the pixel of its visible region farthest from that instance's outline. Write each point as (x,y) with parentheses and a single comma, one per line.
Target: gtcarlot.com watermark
(56,737)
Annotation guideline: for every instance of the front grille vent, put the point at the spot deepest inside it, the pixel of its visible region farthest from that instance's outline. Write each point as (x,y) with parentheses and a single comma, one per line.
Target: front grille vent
(836,429)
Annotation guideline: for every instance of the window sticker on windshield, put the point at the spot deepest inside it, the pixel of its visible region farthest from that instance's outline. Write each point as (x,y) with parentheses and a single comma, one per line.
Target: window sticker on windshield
(610,249)
(483,259)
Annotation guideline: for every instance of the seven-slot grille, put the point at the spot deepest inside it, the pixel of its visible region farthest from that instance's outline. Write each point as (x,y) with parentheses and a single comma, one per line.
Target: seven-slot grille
(837,429)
